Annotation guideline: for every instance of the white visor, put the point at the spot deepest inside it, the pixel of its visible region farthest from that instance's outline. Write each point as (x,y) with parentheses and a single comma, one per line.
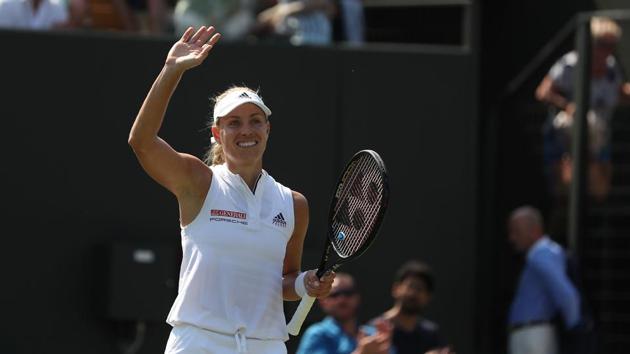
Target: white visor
(234,99)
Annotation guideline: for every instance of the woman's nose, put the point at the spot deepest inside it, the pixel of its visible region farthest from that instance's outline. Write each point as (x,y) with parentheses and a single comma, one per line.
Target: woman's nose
(246,129)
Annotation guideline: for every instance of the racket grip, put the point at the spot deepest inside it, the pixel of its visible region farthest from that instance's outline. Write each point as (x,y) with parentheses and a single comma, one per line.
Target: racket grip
(300,315)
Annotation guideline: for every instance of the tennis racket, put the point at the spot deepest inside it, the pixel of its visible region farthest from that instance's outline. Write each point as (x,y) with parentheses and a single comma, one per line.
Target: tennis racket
(356,211)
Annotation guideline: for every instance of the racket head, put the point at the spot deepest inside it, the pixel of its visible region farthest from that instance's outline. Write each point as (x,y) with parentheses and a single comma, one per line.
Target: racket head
(358,205)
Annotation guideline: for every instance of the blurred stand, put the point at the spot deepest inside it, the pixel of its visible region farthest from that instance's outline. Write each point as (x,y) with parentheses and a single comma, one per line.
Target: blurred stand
(594,229)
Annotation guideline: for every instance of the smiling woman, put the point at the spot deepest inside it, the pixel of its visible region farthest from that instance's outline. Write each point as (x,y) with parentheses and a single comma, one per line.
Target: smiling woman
(252,111)
(242,232)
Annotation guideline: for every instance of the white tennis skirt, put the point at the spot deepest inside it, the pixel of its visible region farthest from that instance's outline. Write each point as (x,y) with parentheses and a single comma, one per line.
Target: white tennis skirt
(187,339)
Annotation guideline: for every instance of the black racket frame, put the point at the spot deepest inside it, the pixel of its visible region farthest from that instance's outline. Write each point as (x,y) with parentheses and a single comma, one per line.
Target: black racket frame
(322,269)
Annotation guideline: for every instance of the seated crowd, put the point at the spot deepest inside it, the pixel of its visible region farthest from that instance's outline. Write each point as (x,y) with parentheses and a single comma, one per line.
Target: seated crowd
(298,22)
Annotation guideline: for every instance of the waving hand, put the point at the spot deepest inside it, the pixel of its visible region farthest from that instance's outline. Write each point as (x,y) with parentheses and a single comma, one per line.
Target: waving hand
(192,49)
(178,172)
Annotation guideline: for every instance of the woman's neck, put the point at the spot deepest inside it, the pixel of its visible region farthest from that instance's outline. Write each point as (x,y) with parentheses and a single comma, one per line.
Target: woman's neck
(249,173)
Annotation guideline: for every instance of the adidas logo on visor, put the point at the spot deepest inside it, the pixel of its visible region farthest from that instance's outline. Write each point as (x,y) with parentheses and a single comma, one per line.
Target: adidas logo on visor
(235,99)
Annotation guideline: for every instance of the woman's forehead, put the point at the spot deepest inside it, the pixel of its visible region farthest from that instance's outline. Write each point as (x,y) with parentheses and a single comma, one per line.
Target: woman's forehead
(245,110)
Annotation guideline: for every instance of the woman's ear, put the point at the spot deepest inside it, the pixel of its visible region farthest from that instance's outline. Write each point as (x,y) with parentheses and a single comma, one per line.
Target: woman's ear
(215,134)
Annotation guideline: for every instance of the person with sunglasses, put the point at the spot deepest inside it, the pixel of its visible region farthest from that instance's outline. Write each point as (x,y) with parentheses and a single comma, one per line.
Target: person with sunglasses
(339,332)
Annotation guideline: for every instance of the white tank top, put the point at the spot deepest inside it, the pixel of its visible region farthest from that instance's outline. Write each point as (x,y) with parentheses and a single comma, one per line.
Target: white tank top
(233,254)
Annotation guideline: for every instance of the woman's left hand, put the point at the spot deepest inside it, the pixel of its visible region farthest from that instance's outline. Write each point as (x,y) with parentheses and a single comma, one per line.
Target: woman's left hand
(318,287)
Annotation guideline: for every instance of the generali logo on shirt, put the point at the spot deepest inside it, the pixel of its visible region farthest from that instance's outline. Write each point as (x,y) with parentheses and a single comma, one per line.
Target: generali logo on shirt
(228,216)
(228,213)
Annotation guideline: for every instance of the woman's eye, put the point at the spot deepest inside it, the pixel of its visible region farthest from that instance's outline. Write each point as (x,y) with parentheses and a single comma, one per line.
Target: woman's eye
(258,122)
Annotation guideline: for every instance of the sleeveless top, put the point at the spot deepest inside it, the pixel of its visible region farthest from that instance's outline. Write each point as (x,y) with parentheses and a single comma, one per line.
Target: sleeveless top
(233,254)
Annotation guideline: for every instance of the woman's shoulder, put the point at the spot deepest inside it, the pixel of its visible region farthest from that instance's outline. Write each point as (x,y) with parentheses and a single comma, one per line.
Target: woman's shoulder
(300,205)
(299,201)
(298,197)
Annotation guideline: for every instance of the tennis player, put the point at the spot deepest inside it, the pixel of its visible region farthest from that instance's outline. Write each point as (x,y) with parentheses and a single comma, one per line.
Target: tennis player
(242,232)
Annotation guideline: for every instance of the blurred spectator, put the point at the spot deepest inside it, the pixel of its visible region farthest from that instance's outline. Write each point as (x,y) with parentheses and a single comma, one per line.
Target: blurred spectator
(233,18)
(607,86)
(299,21)
(33,14)
(146,16)
(349,22)
(412,289)
(79,13)
(109,15)
(339,333)
(544,288)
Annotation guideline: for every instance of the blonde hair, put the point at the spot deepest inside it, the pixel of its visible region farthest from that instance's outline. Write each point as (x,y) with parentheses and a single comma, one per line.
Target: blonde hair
(603,26)
(215,155)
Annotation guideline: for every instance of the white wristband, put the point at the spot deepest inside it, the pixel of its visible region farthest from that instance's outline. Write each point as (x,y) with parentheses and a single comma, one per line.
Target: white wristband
(300,287)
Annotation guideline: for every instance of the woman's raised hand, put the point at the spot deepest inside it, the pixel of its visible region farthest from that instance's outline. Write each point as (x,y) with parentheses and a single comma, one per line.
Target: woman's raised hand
(192,49)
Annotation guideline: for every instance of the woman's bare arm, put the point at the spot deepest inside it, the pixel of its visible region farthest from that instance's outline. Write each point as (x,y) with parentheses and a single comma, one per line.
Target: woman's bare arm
(293,258)
(173,170)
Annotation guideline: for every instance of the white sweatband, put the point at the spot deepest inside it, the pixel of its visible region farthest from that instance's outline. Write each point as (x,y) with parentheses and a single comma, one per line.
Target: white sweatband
(300,287)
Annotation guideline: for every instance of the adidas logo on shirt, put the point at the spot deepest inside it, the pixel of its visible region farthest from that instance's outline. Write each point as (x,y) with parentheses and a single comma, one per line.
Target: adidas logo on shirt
(278,220)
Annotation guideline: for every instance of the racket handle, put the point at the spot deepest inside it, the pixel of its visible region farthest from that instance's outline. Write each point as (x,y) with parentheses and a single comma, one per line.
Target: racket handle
(300,315)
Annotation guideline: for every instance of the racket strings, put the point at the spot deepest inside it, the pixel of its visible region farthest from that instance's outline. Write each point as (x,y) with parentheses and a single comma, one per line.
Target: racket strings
(369,213)
(360,203)
(359,231)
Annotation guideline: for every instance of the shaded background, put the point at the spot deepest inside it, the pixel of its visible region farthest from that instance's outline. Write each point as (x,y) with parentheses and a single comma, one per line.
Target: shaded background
(461,153)
(75,186)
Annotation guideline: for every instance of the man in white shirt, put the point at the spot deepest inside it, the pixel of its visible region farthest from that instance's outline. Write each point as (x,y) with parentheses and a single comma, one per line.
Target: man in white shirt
(32,14)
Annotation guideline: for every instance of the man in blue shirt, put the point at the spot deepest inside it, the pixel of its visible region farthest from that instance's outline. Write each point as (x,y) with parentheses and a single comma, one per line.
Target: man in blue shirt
(339,332)
(544,288)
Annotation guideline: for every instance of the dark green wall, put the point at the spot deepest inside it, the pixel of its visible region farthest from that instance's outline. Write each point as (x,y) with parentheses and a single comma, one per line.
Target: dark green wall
(71,182)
